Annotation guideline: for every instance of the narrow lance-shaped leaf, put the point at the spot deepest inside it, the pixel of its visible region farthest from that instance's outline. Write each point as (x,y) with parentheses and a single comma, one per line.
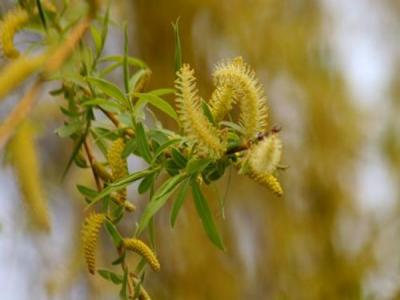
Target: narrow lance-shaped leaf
(159,199)
(180,198)
(142,143)
(205,215)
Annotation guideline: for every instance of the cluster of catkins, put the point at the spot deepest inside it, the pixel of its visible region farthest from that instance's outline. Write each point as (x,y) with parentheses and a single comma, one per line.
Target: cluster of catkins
(235,83)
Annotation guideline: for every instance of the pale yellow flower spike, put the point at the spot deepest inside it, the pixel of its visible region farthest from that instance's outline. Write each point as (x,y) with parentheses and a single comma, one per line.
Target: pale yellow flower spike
(270,181)
(221,102)
(193,121)
(254,112)
(119,169)
(17,71)
(89,236)
(265,156)
(24,158)
(9,26)
(142,249)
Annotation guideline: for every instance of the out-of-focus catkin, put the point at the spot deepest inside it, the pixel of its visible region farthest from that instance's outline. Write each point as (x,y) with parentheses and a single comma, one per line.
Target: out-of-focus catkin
(12,22)
(142,249)
(89,235)
(194,123)
(241,77)
(17,71)
(25,161)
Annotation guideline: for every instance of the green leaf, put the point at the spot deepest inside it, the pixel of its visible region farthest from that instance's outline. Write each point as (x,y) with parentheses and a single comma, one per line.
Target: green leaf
(112,230)
(197,165)
(180,198)
(85,191)
(178,48)
(146,184)
(103,103)
(120,59)
(205,215)
(207,112)
(142,143)
(42,14)
(123,293)
(137,77)
(110,276)
(130,147)
(155,101)
(179,159)
(69,129)
(158,200)
(96,36)
(164,147)
(121,183)
(108,88)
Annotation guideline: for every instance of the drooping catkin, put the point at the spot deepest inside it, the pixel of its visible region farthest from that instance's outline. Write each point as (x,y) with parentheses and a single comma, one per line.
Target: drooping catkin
(239,75)
(25,161)
(118,165)
(142,249)
(194,123)
(89,235)
(268,180)
(265,156)
(12,22)
(17,71)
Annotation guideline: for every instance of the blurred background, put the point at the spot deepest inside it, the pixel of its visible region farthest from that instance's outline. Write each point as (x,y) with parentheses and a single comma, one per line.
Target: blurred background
(330,69)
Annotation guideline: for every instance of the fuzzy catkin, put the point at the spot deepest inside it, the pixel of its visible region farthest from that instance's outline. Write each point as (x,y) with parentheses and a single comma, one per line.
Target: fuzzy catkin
(239,75)
(265,156)
(194,123)
(89,236)
(268,180)
(142,249)
(25,161)
(13,21)
(17,71)
(118,165)
(222,100)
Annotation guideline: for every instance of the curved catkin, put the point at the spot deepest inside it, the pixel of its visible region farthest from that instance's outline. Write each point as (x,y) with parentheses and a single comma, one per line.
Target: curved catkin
(25,161)
(254,112)
(118,165)
(89,236)
(268,180)
(142,249)
(222,100)
(13,21)
(194,123)
(17,71)
(265,156)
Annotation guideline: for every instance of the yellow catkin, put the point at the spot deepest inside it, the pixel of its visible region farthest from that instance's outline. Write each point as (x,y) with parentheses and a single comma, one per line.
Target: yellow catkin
(25,161)
(268,180)
(265,156)
(222,100)
(194,123)
(17,71)
(254,112)
(118,165)
(89,236)
(142,249)
(12,22)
